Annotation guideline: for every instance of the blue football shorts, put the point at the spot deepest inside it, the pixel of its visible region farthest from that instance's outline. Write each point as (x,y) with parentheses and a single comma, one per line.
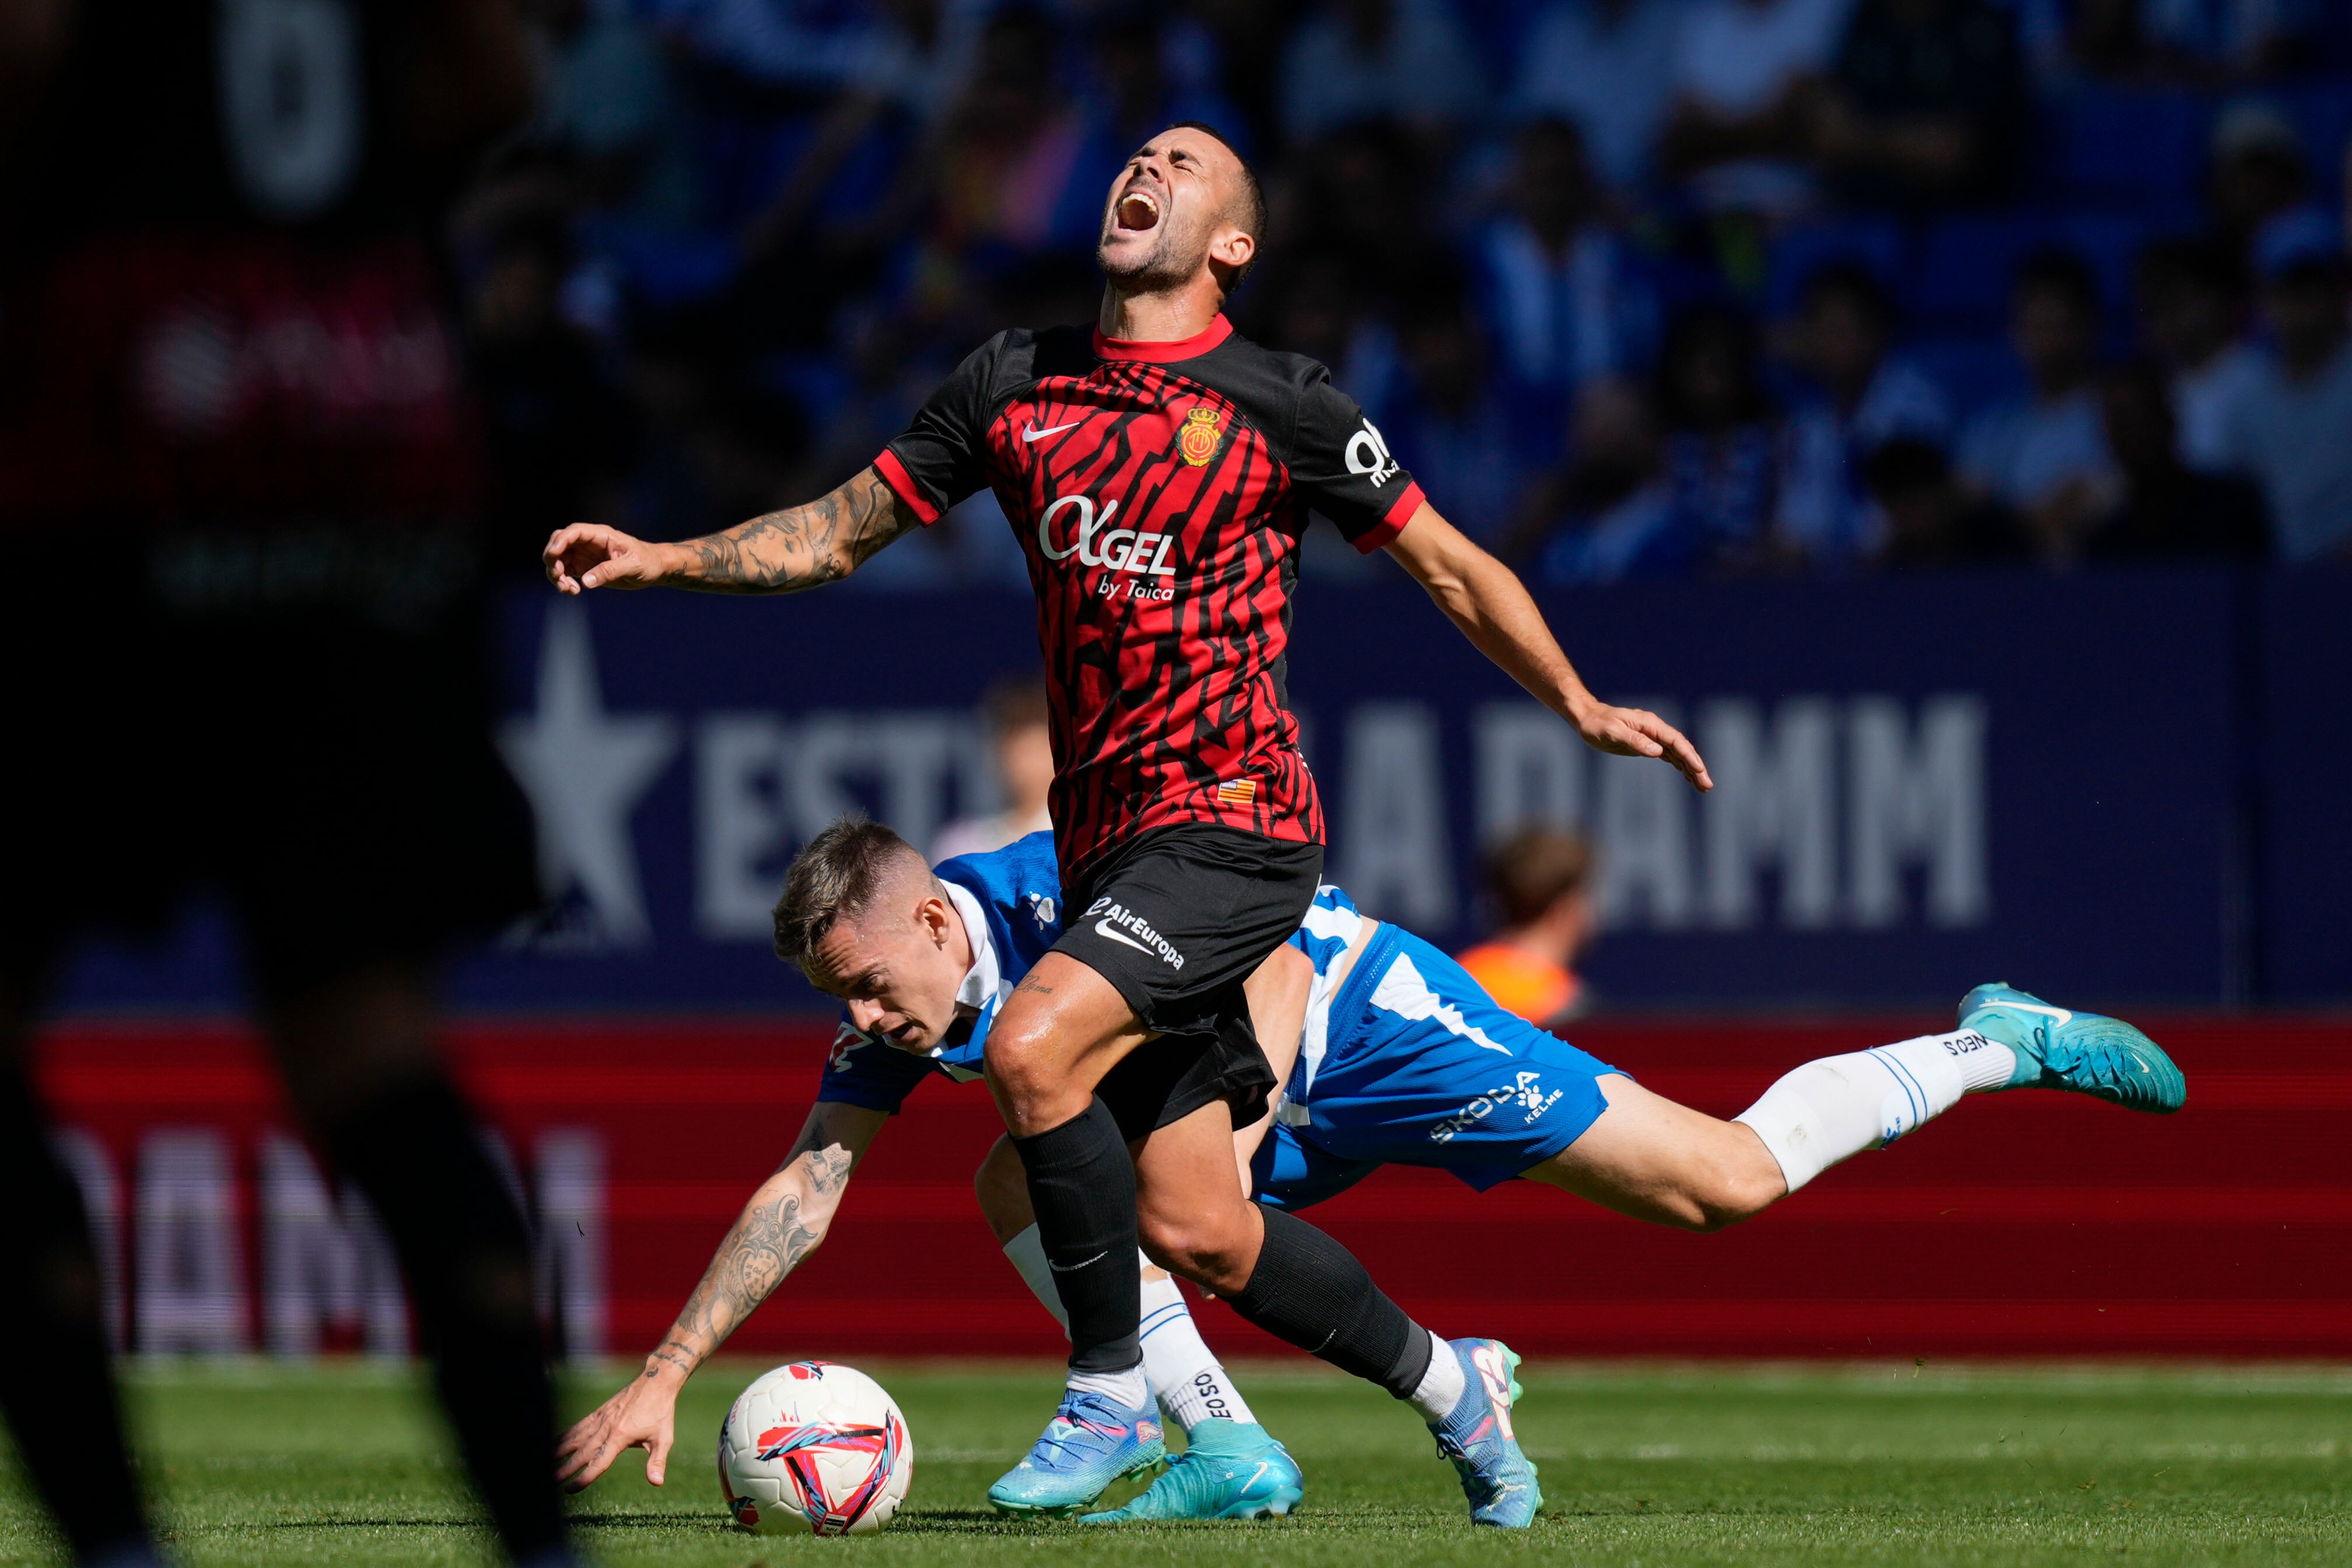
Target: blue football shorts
(1423,1067)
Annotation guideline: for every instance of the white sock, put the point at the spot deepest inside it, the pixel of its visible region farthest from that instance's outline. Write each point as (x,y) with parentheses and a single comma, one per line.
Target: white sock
(1834,1108)
(1130,1388)
(1133,1388)
(1027,1253)
(1440,1387)
(1184,1372)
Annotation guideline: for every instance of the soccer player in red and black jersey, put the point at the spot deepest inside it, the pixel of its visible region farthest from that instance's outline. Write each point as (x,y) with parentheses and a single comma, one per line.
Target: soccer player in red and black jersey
(1160,470)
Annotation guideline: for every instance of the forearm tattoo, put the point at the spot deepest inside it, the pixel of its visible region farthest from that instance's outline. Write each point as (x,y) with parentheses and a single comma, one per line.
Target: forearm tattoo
(766,1244)
(803,546)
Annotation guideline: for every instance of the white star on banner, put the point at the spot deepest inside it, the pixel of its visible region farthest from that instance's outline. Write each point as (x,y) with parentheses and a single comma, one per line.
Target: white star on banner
(584,771)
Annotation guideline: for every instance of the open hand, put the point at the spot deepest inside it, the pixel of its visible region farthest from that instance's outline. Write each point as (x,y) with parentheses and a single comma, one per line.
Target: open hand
(1638,732)
(584,555)
(642,1415)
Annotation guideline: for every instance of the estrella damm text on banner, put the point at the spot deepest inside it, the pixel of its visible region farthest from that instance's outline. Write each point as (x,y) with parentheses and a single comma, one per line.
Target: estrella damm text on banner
(1203,429)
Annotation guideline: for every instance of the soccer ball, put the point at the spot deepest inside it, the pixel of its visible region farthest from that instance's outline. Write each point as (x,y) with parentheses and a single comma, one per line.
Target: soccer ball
(815,1446)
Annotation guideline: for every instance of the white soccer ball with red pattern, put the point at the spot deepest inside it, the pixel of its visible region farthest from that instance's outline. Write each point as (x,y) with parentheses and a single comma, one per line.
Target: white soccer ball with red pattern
(814,1447)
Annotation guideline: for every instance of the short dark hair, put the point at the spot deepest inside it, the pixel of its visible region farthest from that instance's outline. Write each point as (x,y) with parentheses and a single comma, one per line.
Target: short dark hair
(1533,868)
(835,877)
(1254,211)
(2063,273)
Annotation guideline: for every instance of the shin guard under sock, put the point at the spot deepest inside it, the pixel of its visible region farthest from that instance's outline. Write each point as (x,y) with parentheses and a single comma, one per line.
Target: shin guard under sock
(56,1387)
(1310,1290)
(414,1153)
(1082,1189)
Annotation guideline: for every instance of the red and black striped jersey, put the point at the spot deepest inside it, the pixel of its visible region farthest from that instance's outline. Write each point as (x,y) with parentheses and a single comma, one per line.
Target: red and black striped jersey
(1159,491)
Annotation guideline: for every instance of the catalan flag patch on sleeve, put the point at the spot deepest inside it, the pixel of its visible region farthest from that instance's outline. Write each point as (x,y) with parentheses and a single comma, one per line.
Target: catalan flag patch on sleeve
(1237,792)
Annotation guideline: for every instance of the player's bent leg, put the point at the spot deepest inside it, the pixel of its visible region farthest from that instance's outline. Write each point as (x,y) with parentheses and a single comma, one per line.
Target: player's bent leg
(360,1062)
(56,1389)
(1302,1287)
(1651,1159)
(1054,1039)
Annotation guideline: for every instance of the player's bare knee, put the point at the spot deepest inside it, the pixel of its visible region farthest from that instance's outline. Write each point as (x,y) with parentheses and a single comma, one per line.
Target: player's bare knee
(1209,1250)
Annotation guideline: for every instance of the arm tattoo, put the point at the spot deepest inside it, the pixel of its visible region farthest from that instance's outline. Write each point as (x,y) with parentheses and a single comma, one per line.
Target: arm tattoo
(767,1244)
(803,546)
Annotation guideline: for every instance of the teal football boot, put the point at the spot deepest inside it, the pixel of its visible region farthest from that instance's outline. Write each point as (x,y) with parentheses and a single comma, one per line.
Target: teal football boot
(1498,1479)
(1091,1442)
(2083,1052)
(1232,1470)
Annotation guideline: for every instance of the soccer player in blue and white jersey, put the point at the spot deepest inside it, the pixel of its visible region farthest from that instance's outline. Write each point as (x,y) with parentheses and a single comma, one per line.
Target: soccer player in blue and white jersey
(1390,1054)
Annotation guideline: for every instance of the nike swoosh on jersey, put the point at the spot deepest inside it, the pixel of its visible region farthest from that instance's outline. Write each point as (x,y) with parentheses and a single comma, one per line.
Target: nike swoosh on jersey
(1034,434)
(1104,928)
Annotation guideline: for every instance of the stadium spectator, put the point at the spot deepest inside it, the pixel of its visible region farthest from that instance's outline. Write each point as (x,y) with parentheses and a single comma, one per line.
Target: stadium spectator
(2292,432)
(1372,59)
(1563,303)
(2164,508)
(1934,521)
(1859,398)
(1608,513)
(2255,170)
(1453,417)
(1539,882)
(1743,70)
(1012,716)
(1922,104)
(2192,305)
(2045,453)
(1607,67)
(1722,444)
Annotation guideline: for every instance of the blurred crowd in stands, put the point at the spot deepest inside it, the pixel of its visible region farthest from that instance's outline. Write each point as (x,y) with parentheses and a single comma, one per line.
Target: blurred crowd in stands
(1637,288)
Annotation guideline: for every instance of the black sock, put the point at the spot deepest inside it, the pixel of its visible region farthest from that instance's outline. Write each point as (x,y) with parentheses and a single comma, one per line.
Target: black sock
(1310,1290)
(466,1256)
(56,1386)
(1082,1187)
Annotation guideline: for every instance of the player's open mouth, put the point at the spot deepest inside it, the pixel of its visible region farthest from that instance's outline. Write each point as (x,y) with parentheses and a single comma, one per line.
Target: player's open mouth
(1137,212)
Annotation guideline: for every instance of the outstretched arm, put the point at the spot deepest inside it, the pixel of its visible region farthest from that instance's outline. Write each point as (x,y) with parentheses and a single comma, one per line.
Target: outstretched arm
(1487,601)
(780,1227)
(776,553)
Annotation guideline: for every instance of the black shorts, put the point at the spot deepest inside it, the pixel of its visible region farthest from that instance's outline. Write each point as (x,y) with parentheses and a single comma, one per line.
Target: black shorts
(326,772)
(1177,918)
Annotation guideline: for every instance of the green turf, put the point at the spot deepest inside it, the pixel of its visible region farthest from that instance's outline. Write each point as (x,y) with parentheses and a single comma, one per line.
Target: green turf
(1676,1465)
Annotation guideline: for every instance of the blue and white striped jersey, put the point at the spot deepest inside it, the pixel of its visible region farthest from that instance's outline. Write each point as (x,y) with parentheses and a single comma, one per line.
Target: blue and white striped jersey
(1332,925)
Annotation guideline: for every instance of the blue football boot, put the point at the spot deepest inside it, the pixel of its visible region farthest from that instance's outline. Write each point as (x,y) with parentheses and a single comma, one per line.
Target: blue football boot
(1232,1470)
(1091,1441)
(2083,1052)
(1498,1479)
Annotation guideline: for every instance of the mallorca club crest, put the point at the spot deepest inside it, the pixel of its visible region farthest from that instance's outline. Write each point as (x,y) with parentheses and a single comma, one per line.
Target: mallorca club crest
(1203,433)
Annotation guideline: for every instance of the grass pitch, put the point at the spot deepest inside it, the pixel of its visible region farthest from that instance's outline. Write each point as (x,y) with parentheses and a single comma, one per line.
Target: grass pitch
(1877,1466)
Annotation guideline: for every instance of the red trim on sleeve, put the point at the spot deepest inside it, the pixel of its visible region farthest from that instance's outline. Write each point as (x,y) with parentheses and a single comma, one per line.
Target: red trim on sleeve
(1409,501)
(1193,347)
(902,485)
